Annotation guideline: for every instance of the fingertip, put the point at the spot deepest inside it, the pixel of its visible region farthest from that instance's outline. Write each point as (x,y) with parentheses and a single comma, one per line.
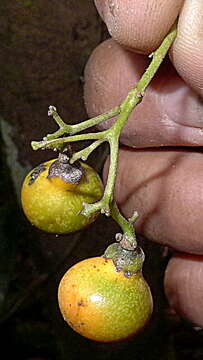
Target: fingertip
(139,26)
(186,52)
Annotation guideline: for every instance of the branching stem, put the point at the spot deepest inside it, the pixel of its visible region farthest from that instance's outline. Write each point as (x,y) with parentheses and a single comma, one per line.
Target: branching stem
(54,141)
(76,128)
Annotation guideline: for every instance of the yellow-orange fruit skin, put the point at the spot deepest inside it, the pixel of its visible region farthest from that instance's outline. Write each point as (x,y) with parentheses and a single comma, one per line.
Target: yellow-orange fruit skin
(54,206)
(103,304)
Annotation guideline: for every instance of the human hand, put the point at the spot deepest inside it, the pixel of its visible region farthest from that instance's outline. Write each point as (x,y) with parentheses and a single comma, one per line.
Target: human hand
(163,179)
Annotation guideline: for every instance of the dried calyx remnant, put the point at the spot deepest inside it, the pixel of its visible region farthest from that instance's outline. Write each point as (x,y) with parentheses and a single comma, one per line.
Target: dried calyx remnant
(128,261)
(60,168)
(70,173)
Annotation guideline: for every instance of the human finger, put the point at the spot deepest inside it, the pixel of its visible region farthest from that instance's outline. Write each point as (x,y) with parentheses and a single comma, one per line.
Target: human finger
(165,187)
(139,25)
(170,113)
(187,50)
(184,286)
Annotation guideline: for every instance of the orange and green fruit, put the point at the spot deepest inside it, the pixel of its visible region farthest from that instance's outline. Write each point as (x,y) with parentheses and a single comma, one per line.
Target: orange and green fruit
(54,205)
(103,304)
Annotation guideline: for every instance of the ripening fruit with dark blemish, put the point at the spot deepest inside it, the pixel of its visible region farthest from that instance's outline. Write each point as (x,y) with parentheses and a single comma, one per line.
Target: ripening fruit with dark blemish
(104,306)
(53,193)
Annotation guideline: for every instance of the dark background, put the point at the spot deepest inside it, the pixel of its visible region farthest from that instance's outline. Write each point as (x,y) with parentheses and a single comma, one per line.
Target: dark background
(44,47)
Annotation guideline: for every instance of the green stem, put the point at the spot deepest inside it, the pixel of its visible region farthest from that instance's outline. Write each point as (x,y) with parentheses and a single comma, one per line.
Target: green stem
(133,98)
(112,135)
(136,94)
(158,57)
(114,147)
(84,153)
(95,121)
(76,128)
(57,143)
(126,225)
(105,203)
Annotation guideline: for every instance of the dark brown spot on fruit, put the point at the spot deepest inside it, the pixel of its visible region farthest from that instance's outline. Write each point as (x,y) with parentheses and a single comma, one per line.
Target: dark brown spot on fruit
(81,303)
(36,172)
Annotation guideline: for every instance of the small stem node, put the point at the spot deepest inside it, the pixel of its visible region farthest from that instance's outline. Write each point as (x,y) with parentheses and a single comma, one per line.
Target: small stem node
(134,217)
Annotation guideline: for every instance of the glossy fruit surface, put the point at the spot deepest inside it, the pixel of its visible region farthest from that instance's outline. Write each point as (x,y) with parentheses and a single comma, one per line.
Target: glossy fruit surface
(53,205)
(103,304)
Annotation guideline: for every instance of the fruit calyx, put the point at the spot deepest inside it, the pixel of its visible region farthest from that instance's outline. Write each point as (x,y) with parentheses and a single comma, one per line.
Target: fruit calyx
(129,262)
(61,168)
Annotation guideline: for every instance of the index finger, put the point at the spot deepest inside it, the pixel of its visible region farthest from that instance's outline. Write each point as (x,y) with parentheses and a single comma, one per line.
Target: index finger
(139,25)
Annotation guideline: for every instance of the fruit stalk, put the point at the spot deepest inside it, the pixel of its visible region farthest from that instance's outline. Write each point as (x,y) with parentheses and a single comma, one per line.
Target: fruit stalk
(128,237)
